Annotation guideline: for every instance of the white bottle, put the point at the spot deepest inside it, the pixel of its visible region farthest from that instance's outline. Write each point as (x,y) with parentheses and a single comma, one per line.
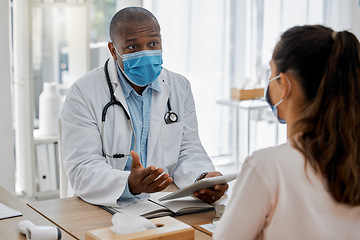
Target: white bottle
(50,105)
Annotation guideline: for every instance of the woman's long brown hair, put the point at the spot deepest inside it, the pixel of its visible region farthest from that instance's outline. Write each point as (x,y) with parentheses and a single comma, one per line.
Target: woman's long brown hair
(327,66)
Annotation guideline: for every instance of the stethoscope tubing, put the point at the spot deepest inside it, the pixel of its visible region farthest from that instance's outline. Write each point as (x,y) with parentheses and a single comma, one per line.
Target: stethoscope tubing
(113,101)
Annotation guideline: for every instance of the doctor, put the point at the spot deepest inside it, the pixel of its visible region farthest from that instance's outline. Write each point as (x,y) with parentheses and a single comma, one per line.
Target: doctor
(133,105)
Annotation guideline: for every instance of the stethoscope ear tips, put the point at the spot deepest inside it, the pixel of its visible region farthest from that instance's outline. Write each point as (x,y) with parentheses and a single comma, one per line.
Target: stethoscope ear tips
(170,117)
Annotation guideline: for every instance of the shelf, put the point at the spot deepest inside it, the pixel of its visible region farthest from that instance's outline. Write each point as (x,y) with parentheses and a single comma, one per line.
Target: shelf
(47,195)
(41,139)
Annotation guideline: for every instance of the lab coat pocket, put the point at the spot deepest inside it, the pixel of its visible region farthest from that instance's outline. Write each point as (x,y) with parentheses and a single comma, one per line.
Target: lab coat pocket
(171,136)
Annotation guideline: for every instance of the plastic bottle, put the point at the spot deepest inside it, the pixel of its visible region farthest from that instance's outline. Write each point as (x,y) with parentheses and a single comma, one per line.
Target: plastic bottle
(50,104)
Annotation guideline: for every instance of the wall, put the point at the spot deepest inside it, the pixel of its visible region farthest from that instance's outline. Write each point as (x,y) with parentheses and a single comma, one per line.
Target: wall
(343,15)
(7,169)
(355,18)
(120,4)
(78,42)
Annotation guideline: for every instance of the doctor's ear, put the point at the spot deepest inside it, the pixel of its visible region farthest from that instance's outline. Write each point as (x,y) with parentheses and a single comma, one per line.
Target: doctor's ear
(112,50)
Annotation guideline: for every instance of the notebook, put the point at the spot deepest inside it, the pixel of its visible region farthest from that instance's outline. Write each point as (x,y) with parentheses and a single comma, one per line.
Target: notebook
(152,207)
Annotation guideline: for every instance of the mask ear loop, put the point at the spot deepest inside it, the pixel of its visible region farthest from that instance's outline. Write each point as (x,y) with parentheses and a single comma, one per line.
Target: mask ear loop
(287,92)
(122,71)
(116,50)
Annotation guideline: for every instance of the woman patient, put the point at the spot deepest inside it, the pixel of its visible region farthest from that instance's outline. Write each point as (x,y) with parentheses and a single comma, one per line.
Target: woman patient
(309,187)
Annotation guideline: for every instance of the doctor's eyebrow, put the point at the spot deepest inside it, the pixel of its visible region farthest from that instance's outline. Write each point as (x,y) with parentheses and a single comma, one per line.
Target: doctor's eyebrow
(130,40)
(155,35)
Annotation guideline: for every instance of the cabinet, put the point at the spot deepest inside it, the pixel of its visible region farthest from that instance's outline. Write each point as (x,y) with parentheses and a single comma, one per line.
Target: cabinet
(46,162)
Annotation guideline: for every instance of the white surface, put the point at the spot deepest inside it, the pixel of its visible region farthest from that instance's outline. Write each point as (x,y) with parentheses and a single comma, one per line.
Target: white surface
(7,176)
(209,227)
(127,223)
(203,183)
(78,41)
(6,212)
(23,99)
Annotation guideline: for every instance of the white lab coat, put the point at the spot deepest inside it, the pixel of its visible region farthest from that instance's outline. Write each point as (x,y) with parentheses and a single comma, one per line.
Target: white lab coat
(174,147)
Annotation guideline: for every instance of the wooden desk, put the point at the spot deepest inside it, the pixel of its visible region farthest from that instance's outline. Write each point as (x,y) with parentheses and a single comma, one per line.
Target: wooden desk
(9,226)
(76,217)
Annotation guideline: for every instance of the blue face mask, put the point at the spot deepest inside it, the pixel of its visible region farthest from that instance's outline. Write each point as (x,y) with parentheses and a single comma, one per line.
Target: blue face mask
(274,107)
(142,68)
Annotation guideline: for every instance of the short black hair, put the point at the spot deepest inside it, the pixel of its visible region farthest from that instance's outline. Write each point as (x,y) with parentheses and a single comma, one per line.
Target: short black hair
(130,14)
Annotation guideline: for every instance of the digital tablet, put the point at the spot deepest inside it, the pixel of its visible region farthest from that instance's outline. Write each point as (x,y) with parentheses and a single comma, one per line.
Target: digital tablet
(201,184)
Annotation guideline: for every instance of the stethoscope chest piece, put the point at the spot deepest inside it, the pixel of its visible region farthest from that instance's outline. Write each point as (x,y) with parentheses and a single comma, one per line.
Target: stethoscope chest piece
(170,117)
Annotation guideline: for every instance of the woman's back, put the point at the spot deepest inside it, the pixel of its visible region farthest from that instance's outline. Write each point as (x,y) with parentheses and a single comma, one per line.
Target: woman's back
(275,197)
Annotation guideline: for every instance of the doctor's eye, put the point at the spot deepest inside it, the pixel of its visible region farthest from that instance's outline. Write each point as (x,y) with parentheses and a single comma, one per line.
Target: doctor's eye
(153,44)
(131,47)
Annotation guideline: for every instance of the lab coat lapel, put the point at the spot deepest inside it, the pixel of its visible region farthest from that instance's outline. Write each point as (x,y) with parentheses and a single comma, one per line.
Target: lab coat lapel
(118,92)
(158,106)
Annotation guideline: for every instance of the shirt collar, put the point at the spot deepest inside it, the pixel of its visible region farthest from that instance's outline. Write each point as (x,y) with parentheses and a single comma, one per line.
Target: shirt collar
(126,87)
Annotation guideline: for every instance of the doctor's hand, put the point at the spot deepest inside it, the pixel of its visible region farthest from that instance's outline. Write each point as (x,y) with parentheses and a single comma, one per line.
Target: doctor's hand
(210,195)
(146,180)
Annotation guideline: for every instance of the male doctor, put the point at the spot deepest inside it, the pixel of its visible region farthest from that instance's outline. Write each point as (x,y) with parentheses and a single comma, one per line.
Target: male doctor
(139,108)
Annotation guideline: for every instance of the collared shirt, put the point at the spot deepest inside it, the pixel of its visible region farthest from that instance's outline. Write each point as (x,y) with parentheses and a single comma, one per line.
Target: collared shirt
(140,108)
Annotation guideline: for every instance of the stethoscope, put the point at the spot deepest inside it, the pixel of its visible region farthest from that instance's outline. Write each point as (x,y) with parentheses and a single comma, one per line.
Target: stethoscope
(169,117)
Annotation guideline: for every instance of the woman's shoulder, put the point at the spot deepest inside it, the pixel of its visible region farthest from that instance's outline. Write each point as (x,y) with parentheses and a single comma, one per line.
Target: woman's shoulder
(279,158)
(279,150)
